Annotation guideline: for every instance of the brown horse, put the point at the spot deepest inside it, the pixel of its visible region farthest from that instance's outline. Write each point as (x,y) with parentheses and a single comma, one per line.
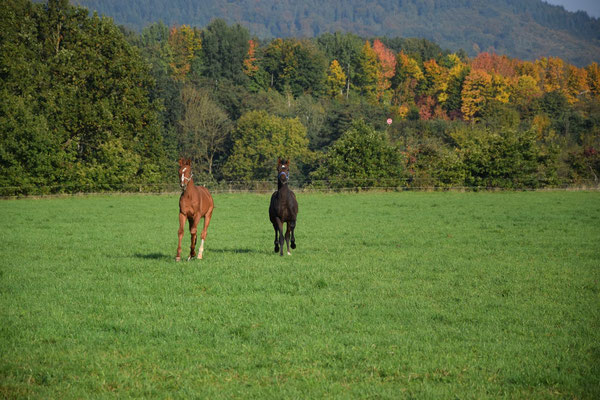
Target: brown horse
(195,202)
(283,208)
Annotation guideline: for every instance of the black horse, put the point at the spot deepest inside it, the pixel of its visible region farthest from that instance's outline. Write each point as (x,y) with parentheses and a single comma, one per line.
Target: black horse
(283,208)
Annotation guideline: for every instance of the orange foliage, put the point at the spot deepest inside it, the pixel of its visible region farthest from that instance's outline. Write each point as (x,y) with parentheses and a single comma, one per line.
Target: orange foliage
(387,68)
(493,63)
(185,42)
(250,67)
(386,58)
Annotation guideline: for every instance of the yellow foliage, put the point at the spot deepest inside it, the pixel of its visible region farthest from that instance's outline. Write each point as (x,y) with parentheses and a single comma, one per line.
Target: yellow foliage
(577,84)
(403,111)
(336,79)
(593,78)
(185,43)
(476,91)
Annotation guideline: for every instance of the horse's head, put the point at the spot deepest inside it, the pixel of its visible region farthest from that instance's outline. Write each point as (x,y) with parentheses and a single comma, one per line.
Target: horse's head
(185,172)
(283,171)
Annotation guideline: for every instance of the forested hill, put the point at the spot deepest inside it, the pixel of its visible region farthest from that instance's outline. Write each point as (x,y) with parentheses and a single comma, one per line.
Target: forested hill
(526,29)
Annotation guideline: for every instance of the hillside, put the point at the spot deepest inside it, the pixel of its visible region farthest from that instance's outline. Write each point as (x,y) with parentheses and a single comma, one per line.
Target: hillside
(526,29)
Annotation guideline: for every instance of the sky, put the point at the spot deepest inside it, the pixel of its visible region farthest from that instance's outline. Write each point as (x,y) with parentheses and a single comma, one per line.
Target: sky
(592,7)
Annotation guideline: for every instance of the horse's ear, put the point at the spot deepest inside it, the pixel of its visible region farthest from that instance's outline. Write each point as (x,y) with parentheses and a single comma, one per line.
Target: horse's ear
(278,160)
(181,162)
(188,162)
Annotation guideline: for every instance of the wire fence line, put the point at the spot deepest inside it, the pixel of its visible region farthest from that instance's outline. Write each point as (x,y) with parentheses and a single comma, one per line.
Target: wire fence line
(266,186)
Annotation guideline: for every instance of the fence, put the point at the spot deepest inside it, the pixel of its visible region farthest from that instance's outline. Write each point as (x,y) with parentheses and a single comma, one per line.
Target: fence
(264,187)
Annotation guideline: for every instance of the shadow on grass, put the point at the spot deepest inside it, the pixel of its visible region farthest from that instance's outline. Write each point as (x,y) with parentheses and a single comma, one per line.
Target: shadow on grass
(170,257)
(154,256)
(236,251)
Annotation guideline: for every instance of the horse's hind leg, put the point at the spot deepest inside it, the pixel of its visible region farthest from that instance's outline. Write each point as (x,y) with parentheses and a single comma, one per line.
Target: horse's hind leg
(207,218)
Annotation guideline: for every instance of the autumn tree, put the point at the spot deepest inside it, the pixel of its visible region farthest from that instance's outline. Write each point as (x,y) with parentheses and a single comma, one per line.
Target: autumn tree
(387,69)
(407,77)
(576,83)
(433,79)
(475,93)
(450,98)
(368,73)
(524,90)
(185,44)
(250,62)
(593,74)
(336,80)
(495,64)
(551,71)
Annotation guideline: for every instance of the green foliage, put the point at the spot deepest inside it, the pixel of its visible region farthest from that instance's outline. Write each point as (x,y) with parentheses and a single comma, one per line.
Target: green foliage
(154,47)
(585,165)
(368,68)
(77,114)
(431,164)
(361,157)
(512,159)
(418,49)
(91,106)
(258,140)
(223,51)
(295,67)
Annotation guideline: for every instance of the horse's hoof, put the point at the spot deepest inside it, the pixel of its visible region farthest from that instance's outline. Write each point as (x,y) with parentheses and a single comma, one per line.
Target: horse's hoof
(199,256)
(293,245)
(177,258)
(189,258)
(289,254)
(276,249)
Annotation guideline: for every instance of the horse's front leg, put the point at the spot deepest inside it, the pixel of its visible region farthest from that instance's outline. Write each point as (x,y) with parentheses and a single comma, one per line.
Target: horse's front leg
(180,234)
(194,233)
(293,239)
(207,218)
(276,242)
(287,238)
(281,238)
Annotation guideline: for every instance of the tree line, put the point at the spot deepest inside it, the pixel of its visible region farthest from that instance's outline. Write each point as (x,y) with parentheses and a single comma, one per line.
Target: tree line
(520,28)
(91,106)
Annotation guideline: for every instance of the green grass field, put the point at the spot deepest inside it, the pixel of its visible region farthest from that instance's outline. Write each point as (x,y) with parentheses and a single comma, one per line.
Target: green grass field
(388,295)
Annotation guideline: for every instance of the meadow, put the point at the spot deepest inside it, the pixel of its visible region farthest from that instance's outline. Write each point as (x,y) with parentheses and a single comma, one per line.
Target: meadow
(388,295)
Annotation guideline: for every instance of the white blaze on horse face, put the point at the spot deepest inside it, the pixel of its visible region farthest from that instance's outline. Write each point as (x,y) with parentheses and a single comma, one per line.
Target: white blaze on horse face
(183,175)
